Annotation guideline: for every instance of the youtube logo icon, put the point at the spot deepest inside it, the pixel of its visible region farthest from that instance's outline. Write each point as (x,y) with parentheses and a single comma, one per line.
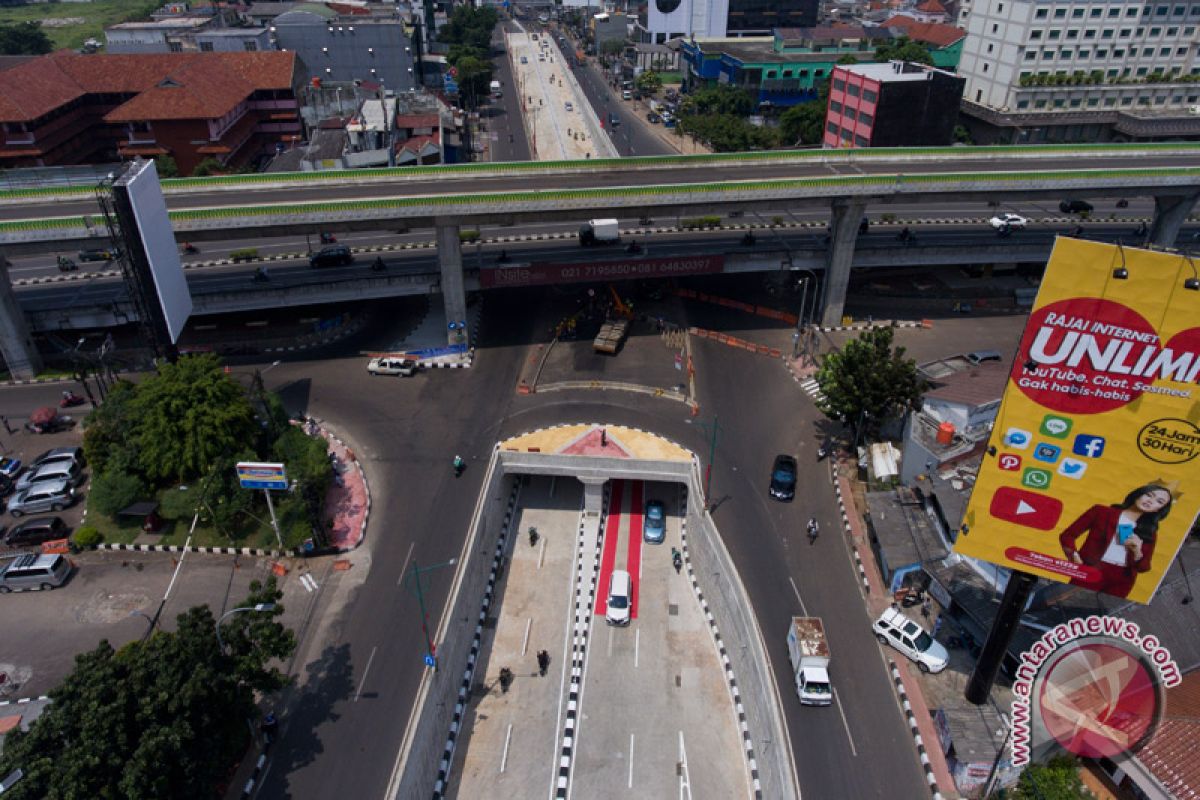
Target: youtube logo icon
(1026,508)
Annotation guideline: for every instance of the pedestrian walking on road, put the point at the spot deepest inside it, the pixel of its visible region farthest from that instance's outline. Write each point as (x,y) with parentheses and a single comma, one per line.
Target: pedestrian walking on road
(937,626)
(814,530)
(506,678)
(926,607)
(543,659)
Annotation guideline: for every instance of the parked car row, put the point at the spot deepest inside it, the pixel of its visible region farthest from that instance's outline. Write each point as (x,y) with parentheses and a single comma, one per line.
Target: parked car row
(49,482)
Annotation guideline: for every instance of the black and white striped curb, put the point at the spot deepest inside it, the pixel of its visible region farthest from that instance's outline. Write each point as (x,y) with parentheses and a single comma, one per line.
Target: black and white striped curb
(362,473)
(23,701)
(837,488)
(464,686)
(866,326)
(730,678)
(585,600)
(930,778)
(178,548)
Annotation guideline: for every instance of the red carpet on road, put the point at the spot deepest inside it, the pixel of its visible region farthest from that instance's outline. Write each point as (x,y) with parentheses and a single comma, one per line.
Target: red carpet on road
(609,555)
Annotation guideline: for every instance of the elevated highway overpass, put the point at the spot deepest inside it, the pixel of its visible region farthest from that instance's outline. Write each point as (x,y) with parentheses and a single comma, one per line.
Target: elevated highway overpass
(451,198)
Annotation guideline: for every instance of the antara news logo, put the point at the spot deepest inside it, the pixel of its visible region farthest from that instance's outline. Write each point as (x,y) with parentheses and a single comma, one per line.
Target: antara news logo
(1093,686)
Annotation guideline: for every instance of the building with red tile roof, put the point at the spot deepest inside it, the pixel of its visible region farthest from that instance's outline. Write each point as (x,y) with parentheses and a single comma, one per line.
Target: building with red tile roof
(930,33)
(67,108)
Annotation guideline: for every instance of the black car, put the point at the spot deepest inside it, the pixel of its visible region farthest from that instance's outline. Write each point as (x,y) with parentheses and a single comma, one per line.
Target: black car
(331,256)
(783,478)
(36,531)
(1074,206)
(652,117)
(614,121)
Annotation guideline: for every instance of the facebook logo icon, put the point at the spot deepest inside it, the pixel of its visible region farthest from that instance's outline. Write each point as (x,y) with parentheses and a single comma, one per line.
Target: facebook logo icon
(1088,445)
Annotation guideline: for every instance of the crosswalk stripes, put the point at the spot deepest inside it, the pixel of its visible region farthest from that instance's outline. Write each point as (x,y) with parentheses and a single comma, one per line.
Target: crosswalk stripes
(812,389)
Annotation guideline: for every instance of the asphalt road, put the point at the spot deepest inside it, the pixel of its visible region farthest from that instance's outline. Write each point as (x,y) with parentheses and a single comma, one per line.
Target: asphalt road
(502,117)
(406,431)
(86,290)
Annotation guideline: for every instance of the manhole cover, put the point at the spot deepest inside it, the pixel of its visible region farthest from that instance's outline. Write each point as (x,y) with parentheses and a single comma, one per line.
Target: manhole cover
(110,607)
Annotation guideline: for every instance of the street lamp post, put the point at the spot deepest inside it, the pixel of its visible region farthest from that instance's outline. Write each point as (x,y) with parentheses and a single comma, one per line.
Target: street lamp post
(255,607)
(417,572)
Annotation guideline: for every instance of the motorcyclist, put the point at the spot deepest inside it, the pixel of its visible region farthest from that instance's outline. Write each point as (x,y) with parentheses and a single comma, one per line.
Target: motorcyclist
(459,464)
(814,529)
(378,264)
(260,274)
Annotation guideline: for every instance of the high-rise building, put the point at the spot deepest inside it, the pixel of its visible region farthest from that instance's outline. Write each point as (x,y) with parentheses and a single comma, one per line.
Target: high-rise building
(891,105)
(1078,71)
(662,20)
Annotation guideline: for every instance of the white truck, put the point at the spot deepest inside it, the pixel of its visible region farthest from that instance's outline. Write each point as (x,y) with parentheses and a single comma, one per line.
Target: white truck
(809,653)
(599,231)
(496,90)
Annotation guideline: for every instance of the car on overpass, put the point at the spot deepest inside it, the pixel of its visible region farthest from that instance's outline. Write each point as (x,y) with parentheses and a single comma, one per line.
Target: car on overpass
(1075,206)
(333,256)
(1013,222)
(98,254)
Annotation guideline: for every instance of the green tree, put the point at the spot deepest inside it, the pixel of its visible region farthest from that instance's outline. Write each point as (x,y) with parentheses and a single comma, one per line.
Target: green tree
(848,58)
(474,75)
(108,431)
(160,718)
(721,99)
(867,381)
(24,39)
(115,489)
(307,460)
(209,166)
(166,166)
(189,415)
(649,82)
(1057,779)
(611,48)
(803,123)
(904,49)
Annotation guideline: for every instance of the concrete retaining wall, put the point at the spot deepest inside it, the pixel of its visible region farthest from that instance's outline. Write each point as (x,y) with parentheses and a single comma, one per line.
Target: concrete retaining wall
(425,753)
(743,646)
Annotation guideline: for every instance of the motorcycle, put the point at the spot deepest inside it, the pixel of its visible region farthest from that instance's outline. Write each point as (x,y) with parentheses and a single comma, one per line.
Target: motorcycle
(190,248)
(328,238)
(676,560)
(378,266)
(70,399)
(822,451)
(645,221)
(748,239)
(260,276)
(503,257)
(907,236)
(1122,203)
(633,247)
(459,466)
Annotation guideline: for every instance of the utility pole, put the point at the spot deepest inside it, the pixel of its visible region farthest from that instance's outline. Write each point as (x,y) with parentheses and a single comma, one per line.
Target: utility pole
(417,572)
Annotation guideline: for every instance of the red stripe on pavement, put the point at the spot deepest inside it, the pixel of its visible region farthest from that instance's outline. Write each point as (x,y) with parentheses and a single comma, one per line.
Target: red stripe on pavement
(609,556)
(633,556)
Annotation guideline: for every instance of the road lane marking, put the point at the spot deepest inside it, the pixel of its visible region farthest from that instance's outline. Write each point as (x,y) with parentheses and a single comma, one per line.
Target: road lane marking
(507,739)
(404,569)
(685,781)
(364,675)
(525,641)
(845,723)
(799,599)
(630,761)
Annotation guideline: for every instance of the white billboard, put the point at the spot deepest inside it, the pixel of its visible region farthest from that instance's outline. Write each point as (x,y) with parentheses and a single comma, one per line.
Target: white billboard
(158,241)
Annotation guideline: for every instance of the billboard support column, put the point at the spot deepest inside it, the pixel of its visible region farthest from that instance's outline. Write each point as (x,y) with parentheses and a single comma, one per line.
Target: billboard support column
(449,248)
(1008,617)
(16,345)
(847,216)
(1170,212)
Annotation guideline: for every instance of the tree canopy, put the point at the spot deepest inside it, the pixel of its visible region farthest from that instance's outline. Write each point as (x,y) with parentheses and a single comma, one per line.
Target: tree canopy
(1057,779)
(189,415)
(904,49)
(867,381)
(649,82)
(803,123)
(469,34)
(164,718)
(24,39)
(721,99)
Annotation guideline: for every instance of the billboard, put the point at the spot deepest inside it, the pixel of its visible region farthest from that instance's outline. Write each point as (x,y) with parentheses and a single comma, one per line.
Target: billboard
(1090,475)
(157,244)
(257,475)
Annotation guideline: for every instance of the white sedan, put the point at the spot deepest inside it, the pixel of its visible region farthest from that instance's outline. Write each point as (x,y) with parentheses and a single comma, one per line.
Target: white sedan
(405,367)
(1011,221)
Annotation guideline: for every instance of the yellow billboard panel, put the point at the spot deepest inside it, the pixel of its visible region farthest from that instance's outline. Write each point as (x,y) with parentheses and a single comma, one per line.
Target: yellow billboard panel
(1091,474)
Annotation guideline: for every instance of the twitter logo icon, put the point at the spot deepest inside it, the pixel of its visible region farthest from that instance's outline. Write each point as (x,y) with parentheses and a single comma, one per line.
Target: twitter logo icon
(1072,468)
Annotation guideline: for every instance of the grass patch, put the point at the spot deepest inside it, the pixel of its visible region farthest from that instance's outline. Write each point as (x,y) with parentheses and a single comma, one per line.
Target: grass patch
(250,533)
(71,24)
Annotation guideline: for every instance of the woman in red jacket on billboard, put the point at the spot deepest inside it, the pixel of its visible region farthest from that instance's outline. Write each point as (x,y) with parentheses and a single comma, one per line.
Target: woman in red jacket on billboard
(1120,539)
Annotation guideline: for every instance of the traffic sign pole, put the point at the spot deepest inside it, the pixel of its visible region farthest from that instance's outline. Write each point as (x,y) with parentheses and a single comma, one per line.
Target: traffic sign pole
(274,522)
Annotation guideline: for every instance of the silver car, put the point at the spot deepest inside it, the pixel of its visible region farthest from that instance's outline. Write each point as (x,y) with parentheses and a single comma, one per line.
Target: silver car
(49,496)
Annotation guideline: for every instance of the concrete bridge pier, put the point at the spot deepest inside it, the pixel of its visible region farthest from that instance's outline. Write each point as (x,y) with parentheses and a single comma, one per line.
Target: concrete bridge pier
(1170,212)
(17,347)
(593,495)
(847,215)
(454,296)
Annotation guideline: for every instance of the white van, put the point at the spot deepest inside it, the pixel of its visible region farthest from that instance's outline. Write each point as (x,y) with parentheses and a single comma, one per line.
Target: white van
(34,572)
(497,92)
(619,592)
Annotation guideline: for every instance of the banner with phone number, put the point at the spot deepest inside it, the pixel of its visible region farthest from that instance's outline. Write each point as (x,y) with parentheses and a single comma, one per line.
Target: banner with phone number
(1091,472)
